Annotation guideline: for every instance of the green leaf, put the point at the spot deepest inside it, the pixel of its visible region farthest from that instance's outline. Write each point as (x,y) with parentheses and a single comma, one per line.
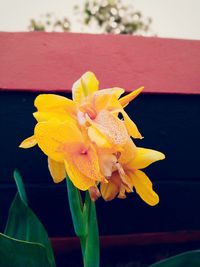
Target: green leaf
(20,186)
(187,259)
(24,225)
(21,254)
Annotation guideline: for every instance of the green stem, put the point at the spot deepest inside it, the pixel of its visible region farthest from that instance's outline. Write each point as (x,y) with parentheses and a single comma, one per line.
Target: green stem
(85,224)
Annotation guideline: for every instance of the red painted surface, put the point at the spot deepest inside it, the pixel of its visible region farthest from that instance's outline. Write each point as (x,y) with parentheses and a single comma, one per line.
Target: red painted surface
(53,61)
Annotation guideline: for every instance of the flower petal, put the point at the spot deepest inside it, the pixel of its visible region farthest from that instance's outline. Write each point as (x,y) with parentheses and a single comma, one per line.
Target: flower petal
(84,87)
(54,103)
(124,101)
(110,190)
(143,187)
(84,159)
(78,179)
(57,170)
(111,127)
(128,152)
(52,135)
(144,157)
(106,101)
(115,91)
(28,142)
(98,138)
(131,126)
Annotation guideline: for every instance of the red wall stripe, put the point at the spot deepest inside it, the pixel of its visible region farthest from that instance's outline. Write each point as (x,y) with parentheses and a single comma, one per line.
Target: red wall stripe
(53,61)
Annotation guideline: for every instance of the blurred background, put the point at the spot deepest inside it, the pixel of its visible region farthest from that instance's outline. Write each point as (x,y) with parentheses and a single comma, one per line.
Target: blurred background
(171,18)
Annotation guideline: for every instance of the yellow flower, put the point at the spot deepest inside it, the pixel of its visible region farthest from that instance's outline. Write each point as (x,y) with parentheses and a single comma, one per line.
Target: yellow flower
(85,138)
(96,109)
(128,175)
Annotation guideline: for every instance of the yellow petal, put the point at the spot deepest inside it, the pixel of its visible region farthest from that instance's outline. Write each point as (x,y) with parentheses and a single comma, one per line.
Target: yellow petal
(110,190)
(98,138)
(105,101)
(131,126)
(78,179)
(128,152)
(28,142)
(144,157)
(52,135)
(84,87)
(54,103)
(124,101)
(48,115)
(57,170)
(115,91)
(143,187)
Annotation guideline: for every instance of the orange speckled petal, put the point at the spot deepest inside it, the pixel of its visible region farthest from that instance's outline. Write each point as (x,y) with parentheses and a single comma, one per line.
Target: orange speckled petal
(111,127)
(84,159)
(28,142)
(143,187)
(57,170)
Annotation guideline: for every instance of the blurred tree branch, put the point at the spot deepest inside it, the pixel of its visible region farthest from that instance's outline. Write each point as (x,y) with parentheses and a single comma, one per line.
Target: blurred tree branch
(107,16)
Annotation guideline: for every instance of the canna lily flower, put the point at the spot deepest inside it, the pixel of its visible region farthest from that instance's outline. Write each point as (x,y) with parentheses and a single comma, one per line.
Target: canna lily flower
(93,112)
(96,110)
(128,175)
(85,138)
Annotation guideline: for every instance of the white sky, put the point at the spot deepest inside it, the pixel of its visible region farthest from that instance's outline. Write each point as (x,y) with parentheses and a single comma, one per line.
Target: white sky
(171,18)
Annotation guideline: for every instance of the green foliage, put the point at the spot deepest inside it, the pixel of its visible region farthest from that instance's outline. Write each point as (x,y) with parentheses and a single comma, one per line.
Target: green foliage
(25,238)
(17,253)
(187,259)
(50,23)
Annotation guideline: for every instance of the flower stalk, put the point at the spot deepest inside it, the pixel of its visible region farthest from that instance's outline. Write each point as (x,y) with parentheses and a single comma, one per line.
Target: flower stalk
(85,224)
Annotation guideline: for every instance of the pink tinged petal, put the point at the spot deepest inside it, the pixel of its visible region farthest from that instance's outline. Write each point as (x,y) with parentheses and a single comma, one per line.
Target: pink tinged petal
(111,127)
(85,86)
(144,157)
(85,159)
(57,170)
(107,163)
(28,142)
(94,193)
(124,101)
(143,187)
